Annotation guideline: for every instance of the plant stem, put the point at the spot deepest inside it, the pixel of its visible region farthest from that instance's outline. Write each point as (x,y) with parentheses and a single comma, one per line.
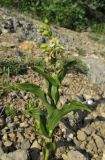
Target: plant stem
(47,154)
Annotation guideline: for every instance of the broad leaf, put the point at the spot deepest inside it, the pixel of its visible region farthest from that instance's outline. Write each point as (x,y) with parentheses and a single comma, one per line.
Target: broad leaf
(49,94)
(41,122)
(47,76)
(44,46)
(40,117)
(57,115)
(36,90)
(55,94)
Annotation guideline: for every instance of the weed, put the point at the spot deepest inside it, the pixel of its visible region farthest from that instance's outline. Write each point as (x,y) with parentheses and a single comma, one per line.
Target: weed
(10,112)
(100,39)
(98,28)
(11,67)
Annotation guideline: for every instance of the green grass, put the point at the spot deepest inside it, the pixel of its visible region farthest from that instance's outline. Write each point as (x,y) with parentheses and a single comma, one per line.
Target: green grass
(99,38)
(10,112)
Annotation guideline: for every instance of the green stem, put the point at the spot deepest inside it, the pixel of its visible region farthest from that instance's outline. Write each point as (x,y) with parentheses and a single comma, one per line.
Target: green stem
(49,148)
(47,154)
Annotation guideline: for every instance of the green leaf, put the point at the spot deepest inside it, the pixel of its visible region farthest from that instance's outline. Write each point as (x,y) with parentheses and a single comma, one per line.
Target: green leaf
(34,112)
(64,70)
(44,46)
(40,117)
(57,115)
(36,90)
(47,76)
(55,94)
(41,120)
(46,33)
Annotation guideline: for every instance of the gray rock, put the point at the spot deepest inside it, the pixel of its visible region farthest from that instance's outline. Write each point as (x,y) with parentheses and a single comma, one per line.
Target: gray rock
(24,124)
(35,144)
(8,119)
(8,143)
(2,122)
(96,70)
(81,135)
(16,155)
(75,155)
(99,142)
(11,125)
(25,144)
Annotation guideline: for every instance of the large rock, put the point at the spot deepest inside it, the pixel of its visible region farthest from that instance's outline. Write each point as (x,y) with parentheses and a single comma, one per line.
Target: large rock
(96,70)
(75,155)
(16,155)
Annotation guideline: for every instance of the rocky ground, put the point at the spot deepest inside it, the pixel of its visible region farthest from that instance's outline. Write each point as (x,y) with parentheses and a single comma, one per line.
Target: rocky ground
(81,135)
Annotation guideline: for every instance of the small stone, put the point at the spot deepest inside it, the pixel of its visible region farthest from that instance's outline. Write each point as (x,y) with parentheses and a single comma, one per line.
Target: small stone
(83,145)
(35,145)
(2,122)
(16,119)
(64,156)
(8,119)
(29,130)
(70,136)
(4,31)
(81,135)
(103,157)
(25,144)
(12,136)
(75,155)
(32,137)
(90,102)
(8,143)
(86,96)
(88,131)
(24,124)
(16,155)
(99,142)
(5,137)
(11,125)
(91,146)
(20,137)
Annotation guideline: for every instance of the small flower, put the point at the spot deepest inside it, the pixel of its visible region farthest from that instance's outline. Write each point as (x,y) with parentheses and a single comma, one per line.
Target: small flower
(54,41)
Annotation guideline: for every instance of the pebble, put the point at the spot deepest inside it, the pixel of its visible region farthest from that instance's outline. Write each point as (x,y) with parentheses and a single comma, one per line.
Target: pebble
(103,156)
(25,144)
(16,155)
(75,155)
(35,144)
(24,124)
(10,125)
(81,135)
(2,122)
(20,137)
(7,143)
(12,136)
(99,142)
(8,119)
(5,137)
